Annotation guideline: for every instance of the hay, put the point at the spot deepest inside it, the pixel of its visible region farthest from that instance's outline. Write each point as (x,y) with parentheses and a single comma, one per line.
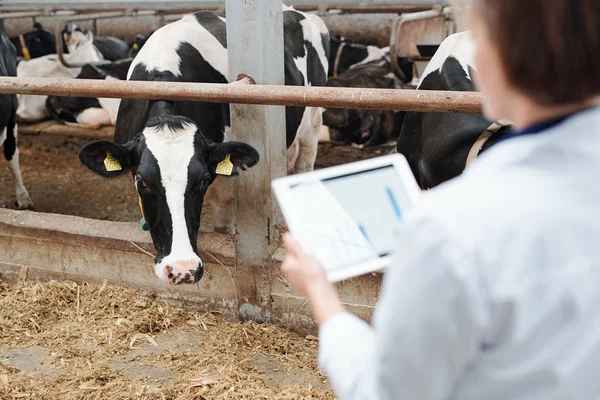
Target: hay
(85,330)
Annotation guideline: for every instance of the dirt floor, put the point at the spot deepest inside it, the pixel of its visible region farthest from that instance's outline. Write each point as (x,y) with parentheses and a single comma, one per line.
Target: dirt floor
(59,340)
(58,183)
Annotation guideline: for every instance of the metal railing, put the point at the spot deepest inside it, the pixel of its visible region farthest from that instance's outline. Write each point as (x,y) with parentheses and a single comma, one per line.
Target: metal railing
(309,96)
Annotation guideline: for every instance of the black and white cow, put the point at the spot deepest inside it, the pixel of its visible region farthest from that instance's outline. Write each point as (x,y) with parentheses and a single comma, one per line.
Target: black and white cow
(137,43)
(439,146)
(81,51)
(36,43)
(90,112)
(345,55)
(174,148)
(111,48)
(8,122)
(362,127)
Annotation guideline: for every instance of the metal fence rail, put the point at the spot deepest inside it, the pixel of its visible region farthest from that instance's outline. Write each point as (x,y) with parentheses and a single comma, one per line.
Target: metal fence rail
(327,97)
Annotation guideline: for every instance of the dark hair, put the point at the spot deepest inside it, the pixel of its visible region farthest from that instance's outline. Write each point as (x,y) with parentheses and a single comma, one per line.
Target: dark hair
(550,48)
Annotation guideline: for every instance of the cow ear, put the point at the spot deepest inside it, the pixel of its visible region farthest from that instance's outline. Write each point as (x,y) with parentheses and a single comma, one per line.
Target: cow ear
(106,158)
(226,158)
(89,35)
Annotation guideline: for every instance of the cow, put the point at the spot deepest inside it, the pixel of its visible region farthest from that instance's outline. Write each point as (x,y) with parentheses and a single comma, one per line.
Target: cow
(345,55)
(361,127)
(439,146)
(137,44)
(8,122)
(36,43)
(81,50)
(90,112)
(111,48)
(180,153)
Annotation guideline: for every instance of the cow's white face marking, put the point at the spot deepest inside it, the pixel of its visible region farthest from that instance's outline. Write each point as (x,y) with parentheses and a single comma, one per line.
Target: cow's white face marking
(78,39)
(173,150)
(169,37)
(460,46)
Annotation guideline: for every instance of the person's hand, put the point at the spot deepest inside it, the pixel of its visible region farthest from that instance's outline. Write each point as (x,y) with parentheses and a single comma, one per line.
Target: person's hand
(301,268)
(308,277)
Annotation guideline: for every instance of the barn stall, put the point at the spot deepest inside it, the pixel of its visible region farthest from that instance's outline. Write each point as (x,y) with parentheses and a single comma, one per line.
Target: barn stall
(81,301)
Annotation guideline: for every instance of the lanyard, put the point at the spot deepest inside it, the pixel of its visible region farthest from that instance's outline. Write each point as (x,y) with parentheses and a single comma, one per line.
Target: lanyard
(540,127)
(536,128)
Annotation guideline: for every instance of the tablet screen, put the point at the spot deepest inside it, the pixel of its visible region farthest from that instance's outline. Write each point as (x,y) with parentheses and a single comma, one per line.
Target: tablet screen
(352,218)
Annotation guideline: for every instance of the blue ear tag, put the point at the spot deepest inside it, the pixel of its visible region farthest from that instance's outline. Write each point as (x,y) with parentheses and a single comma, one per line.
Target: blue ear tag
(143,222)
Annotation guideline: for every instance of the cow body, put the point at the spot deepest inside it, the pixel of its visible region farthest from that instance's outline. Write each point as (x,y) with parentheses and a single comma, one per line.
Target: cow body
(111,48)
(345,55)
(8,122)
(41,42)
(361,127)
(173,148)
(90,112)
(437,145)
(36,43)
(81,50)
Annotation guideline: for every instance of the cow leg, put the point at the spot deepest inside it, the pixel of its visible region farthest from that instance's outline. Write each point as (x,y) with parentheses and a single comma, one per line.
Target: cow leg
(220,197)
(11,153)
(308,139)
(292,157)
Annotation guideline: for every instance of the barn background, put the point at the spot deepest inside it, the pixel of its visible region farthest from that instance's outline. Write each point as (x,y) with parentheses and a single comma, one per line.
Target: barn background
(82,314)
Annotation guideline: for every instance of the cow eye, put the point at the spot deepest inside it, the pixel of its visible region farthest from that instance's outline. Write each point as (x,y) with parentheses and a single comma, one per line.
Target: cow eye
(206,180)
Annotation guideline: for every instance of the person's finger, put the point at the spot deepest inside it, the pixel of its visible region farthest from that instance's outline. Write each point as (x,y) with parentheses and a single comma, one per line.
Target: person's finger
(287,238)
(289,262)
(292,245)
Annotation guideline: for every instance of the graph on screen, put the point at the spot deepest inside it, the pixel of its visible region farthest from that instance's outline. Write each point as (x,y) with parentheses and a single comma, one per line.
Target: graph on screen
(351,219)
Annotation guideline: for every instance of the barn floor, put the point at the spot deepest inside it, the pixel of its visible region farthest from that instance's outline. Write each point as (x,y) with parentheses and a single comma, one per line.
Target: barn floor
(59,340)
(58,183)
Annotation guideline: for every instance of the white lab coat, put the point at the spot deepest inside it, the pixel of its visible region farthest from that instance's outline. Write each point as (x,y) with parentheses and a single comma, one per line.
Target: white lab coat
(495,288)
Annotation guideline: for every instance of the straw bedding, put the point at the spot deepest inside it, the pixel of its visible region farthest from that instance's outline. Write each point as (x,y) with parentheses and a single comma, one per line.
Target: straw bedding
(60,340)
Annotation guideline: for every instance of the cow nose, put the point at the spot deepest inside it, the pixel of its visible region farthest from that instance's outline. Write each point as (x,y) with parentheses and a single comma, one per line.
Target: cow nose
(184,272)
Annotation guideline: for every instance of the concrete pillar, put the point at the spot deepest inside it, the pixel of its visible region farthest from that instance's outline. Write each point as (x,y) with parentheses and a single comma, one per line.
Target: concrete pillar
(255,47)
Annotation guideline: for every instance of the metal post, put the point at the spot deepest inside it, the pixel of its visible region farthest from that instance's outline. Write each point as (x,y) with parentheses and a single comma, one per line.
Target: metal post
(255,47)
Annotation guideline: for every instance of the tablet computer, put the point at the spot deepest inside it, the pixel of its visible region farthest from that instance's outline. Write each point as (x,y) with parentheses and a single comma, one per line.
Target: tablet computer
(347,216)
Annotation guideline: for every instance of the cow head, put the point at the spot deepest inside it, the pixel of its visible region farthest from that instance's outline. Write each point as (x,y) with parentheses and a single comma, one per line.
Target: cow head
(136,45)
(358,126)
(39,41)
(172,165)
(75,37)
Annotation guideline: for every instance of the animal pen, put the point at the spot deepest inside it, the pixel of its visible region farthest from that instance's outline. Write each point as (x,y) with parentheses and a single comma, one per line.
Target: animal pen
(242,279)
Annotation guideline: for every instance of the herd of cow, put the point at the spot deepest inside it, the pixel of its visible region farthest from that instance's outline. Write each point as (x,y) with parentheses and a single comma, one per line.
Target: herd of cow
(181,154)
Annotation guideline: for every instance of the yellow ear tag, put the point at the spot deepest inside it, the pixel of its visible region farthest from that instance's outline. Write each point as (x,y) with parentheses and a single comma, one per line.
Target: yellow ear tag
(141,206)
(225,167)
(26,54)
(135,46)
(111,163)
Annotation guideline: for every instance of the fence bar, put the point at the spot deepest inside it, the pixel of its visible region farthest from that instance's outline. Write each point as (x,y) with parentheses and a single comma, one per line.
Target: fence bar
(21,14)
(99,15)
(327,97)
